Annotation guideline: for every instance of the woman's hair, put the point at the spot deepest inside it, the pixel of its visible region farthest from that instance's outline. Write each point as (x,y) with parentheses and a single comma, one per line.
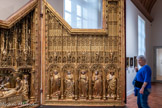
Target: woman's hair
(142,57)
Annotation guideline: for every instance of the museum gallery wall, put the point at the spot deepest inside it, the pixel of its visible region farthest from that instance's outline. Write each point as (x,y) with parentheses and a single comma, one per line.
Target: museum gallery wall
(76,66)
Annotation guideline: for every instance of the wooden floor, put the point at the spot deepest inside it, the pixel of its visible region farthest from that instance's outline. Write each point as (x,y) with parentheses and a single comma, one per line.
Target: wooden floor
(158,77)
(155,98)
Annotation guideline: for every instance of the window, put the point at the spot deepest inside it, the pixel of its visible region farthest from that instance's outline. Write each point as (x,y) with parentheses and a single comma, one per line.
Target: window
(83,13)
(141,36)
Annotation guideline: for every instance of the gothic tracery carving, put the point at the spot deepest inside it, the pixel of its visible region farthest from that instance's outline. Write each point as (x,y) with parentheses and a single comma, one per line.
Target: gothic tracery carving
(17,60)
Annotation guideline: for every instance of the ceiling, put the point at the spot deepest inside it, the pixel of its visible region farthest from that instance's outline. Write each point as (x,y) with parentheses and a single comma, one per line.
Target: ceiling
(148,4)
(145,6)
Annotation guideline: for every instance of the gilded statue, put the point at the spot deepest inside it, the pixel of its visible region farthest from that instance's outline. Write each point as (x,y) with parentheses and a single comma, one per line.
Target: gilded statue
(1,79)
(8,93)
(4,55)
(97,85)
(55,56)
(69,56)
(69,85)
(12,91)
(51,80)
(97,56)
(19,85)
(112,85)
(25,88)
(55,84)
(83,84)
(5,83)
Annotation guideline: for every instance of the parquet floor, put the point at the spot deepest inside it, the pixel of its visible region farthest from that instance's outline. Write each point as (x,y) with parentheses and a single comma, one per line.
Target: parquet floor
(155,98)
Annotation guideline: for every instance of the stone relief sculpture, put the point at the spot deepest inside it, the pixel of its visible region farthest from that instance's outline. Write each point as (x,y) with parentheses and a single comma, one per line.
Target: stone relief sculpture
(97,85)
(83,84)
(69,85)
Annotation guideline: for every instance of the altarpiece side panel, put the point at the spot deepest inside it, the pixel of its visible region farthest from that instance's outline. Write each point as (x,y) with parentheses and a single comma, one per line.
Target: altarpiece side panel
(19,61)
(85,68)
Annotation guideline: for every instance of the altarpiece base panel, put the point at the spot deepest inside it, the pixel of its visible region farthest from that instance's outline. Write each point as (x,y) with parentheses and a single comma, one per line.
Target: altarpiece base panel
(80,67)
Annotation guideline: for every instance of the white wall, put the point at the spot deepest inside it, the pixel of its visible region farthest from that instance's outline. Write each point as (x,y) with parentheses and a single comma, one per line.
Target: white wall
(132,39)
(156,37)
(157,24)
(8,7)
(58,5)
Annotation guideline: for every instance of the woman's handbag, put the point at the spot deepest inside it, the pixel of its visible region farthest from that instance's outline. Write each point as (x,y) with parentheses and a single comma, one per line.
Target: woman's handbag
(138,84)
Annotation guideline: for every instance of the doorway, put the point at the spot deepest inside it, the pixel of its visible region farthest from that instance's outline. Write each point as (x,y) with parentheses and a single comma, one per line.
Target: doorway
(158,63)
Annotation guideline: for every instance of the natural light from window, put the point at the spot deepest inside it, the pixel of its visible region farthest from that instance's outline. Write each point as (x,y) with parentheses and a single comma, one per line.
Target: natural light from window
(86,14)
(141,36)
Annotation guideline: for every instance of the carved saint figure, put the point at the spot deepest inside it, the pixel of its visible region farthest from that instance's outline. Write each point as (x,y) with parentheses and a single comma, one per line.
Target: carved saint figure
(19,85)
(25,88)
(4,55)
(69,56)
(55,84)
(83,84)
(112,84)
(69,85)
(97,56)
(55,56)
(51,80)
(97,85)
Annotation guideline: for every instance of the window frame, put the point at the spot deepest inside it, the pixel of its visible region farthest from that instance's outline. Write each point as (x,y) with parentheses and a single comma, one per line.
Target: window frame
(83,25)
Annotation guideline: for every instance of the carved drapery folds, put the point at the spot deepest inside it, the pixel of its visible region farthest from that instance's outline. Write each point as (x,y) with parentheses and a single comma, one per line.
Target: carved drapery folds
(89,64)
(18,44)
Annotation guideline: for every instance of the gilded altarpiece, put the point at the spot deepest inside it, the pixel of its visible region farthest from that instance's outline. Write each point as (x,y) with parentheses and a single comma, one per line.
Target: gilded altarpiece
(19,84)
(78,66)
(84,66)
